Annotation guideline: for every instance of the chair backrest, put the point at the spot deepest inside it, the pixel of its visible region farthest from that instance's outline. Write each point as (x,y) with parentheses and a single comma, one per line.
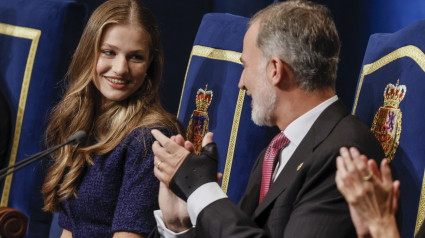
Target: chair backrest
(215,61)
(37,39)
(388,98)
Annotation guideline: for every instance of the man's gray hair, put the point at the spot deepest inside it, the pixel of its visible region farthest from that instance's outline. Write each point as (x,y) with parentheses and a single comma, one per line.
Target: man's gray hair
(302,34)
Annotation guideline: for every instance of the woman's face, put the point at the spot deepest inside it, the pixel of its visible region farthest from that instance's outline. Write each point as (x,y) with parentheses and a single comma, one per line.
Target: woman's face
(123,61)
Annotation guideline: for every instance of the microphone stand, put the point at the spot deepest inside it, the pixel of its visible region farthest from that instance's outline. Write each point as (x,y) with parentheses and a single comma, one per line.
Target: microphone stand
(14,223)
(4,172)
(73,139)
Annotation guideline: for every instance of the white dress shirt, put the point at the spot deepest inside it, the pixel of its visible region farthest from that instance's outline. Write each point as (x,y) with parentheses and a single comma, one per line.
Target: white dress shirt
(211,192)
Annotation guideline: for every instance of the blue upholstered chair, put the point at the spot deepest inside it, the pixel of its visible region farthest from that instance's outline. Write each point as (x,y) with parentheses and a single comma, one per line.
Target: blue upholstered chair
(37,39)
(389,99)
(214,67)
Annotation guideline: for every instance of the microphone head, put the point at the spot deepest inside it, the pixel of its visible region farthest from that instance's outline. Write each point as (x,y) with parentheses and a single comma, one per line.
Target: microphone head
(77,137)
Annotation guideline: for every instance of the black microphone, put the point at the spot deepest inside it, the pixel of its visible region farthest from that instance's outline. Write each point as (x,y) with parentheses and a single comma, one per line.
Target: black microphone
(74,139)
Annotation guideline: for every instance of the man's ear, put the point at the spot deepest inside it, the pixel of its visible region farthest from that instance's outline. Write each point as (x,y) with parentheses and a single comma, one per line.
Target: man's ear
(279,72)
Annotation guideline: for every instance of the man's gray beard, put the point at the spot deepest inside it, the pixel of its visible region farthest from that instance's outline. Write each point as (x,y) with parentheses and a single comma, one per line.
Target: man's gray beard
(263,105)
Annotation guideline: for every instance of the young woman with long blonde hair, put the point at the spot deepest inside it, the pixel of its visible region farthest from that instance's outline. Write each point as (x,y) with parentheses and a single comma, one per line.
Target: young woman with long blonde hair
(105,186)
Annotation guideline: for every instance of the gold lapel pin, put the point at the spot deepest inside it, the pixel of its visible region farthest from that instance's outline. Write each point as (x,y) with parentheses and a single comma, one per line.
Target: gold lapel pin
(299,166)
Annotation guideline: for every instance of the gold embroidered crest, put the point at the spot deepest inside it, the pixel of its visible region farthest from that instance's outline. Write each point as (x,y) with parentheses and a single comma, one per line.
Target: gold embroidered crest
(386,125)
(199,120)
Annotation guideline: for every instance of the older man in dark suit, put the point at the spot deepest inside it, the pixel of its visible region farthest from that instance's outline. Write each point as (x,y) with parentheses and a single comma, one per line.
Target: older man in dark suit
(290,56)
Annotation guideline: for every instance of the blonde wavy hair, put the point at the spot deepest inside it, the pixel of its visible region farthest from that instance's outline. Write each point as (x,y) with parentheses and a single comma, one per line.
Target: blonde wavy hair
(80,107)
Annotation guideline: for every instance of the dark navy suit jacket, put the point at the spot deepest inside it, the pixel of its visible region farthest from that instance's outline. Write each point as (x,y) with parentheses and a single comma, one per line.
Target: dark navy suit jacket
(303,201)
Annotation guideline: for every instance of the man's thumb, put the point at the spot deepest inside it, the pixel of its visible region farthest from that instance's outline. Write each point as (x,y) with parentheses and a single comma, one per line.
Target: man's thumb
(208,138)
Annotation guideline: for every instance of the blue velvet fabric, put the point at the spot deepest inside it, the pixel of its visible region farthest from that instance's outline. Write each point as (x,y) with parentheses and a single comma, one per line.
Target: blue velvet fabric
(409,162)
(118,193)
(224,32)
(61,24)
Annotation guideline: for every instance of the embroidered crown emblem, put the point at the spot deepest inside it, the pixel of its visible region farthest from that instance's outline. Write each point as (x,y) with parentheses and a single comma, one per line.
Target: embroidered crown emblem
(203,99)
(393,95)
(199,120)
(386,125)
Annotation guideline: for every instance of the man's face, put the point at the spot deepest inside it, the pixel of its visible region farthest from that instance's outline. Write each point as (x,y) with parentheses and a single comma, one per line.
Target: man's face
(254,79)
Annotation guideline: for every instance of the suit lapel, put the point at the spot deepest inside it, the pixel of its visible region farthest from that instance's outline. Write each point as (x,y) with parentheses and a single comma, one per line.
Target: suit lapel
(317,133)
(249,201)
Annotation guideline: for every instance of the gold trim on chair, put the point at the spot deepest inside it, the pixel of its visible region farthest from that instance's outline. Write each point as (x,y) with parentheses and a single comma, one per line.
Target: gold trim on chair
(421,209)
(34,36)
(232,141)
(211,53)
(418,56)
(410,51)
(226,55)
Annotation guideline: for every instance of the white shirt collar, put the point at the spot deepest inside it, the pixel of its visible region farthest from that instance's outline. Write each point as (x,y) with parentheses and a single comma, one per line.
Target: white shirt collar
(297,129)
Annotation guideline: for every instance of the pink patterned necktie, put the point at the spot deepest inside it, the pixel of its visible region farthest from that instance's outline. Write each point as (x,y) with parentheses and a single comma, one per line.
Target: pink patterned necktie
(278,142)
